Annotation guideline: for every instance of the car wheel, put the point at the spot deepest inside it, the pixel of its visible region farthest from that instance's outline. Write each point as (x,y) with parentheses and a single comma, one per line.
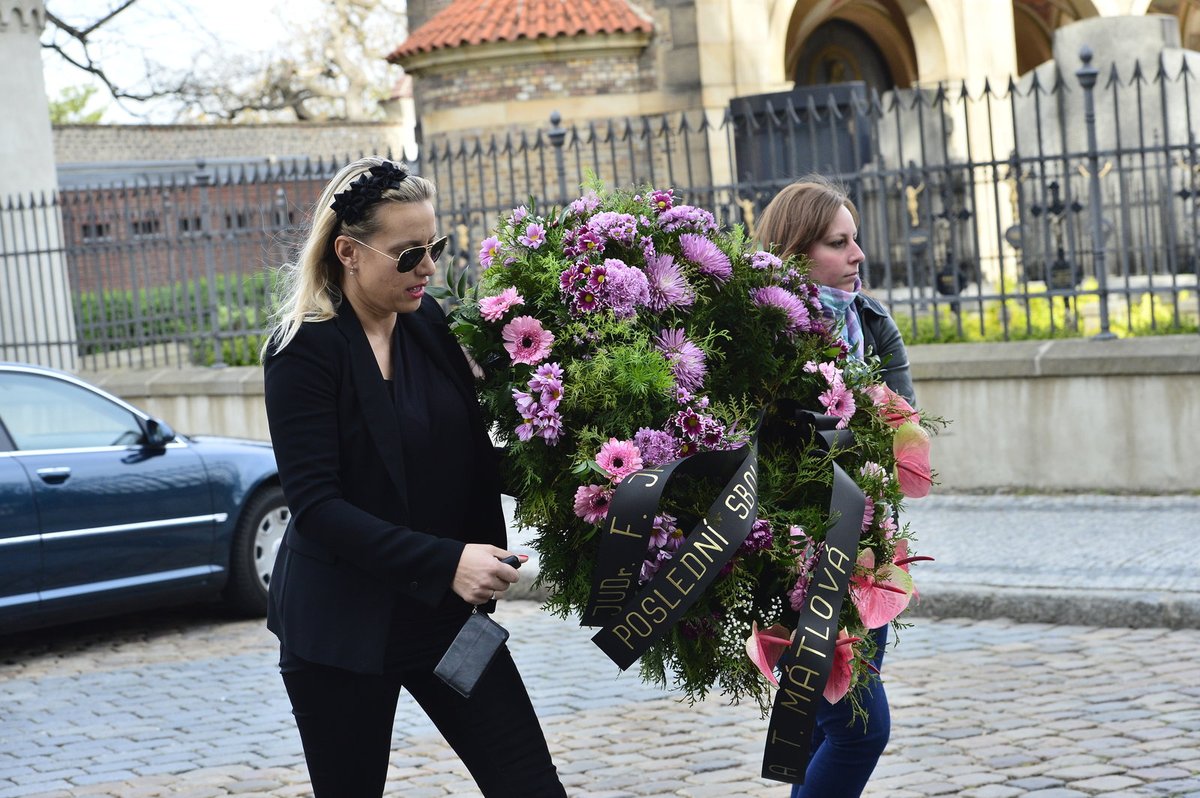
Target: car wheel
(256,541)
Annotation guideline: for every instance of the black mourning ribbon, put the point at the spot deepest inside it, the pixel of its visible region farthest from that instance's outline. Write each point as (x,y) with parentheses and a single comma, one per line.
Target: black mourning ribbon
(632,620)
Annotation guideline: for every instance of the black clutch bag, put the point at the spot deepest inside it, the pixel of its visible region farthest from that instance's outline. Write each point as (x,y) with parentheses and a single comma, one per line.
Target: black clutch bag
(471,653)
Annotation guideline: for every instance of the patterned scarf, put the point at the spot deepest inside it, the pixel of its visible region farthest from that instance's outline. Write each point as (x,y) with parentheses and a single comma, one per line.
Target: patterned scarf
(837,306)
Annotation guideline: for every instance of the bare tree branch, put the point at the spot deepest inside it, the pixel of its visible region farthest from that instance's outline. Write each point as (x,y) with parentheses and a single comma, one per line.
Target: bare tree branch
(335,71)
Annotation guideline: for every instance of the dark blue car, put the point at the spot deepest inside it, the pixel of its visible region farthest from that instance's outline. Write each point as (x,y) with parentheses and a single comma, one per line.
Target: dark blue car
(104,509)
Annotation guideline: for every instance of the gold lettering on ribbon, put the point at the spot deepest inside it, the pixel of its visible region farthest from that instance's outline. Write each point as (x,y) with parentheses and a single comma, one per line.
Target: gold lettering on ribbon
(670,577)
(687,559)
(704,543)
(648,474)
(837,558)
(744,492)
(613,529)
(802,647)
(776,737)
(612,592)
(827,614)
(805,683)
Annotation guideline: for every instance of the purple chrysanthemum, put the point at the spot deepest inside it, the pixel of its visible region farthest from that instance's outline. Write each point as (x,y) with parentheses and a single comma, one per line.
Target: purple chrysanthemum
(760,537)
(488,250)
(707,256)
(651,565)
(585,204)
(657,446)
(620,227)
(663,200)
(667,285)
(764,260)
(534,237)
(794,309)
(686,359)
(628,288)
(687,217)
(547,381)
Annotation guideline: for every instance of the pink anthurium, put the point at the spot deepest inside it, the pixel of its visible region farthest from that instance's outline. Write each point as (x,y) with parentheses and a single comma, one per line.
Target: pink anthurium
(840,674)
(766,647)
(880,594)
(902,560)
(911,447)
(894,408)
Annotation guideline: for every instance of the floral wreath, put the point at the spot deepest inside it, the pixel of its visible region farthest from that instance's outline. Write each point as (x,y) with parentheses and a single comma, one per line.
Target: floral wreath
(625,331)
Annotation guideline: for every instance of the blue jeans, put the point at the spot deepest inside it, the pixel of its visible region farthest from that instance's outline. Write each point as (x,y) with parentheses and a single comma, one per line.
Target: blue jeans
(844,749)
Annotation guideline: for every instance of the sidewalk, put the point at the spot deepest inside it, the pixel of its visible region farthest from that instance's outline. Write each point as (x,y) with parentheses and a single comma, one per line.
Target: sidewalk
(1097,560)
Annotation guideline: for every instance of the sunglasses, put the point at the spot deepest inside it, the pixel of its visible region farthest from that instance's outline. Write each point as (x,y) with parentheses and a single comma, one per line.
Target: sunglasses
(410,258)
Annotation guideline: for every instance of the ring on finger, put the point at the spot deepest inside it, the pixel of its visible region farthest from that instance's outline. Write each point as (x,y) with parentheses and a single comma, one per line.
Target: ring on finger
(493,595)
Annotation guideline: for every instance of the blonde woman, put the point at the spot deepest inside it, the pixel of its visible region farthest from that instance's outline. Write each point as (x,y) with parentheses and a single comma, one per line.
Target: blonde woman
(396,529)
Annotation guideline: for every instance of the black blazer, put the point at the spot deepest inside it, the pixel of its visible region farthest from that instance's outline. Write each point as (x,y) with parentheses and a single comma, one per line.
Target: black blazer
(349,561)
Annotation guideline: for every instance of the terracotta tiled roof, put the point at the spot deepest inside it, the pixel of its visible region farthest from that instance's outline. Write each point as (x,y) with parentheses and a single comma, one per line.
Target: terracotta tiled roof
(467,22)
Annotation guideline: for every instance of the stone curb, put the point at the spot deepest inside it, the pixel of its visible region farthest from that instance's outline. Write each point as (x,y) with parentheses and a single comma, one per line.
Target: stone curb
(1116,608)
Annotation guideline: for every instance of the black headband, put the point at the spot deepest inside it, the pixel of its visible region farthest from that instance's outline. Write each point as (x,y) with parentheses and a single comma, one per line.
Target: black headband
(351,205)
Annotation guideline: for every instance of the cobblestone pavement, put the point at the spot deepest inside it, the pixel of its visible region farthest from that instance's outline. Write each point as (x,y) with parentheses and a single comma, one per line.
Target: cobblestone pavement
(187,704)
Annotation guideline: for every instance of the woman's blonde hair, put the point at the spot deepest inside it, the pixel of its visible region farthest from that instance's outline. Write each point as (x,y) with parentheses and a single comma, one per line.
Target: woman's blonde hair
(311,288)
(800,214)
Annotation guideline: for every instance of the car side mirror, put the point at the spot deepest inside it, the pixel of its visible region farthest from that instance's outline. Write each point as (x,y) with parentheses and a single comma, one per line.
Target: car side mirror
(158,433)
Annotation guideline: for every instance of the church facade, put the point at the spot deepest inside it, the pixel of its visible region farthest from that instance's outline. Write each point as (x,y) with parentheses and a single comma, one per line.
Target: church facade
(479,64)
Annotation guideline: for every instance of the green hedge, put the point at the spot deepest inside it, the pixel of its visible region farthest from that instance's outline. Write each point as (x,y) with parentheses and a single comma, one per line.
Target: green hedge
(182,313)
(185,313)
(1050,317)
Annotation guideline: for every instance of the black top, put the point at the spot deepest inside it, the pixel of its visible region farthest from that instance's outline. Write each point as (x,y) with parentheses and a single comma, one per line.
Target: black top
(360,557)
(437,443)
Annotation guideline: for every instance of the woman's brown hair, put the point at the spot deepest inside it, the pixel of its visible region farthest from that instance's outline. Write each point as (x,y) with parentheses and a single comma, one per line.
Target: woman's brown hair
(800,214)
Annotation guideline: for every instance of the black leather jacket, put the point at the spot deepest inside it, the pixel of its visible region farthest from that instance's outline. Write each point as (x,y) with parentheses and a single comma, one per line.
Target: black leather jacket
(882,336)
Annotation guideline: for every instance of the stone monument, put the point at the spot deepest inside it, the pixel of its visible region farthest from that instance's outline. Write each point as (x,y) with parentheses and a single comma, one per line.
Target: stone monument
(36,317)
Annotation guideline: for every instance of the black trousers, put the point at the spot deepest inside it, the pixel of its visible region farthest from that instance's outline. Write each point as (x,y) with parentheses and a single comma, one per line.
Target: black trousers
(345,721)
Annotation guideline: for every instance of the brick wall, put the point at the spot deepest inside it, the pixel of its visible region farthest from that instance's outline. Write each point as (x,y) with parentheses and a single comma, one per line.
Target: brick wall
(108,143)
(514,82)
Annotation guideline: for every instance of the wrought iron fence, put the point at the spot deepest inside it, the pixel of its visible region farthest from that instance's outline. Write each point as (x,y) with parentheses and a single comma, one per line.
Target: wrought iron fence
(1061,204)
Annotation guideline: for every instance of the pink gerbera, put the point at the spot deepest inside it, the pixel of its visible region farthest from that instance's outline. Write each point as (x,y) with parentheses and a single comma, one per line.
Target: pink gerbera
(619,459)
(591,502)
(526,340)
(493,308)
(839,402)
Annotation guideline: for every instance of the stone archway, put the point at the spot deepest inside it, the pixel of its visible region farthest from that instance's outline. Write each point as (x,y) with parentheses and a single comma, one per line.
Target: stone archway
(821,34)
(1034,23)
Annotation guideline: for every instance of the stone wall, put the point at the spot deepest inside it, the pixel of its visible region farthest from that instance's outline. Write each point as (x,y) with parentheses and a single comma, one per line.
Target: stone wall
(108,143)
(1066,415)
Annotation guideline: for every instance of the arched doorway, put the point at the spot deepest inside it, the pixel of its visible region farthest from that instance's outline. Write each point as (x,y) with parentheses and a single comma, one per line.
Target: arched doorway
(867,40)
(839,52)
(1034,23)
